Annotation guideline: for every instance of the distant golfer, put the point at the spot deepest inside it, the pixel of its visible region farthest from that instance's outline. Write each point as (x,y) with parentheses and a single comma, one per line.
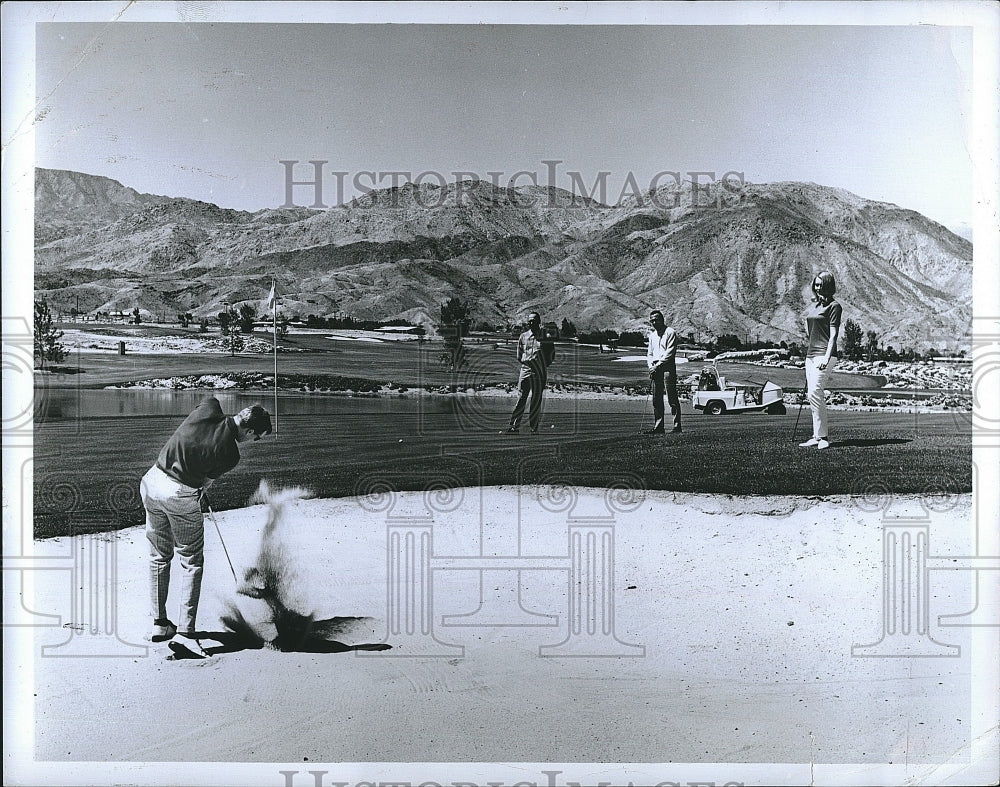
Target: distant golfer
(822,326)
(534,352)
(661,358)
(202,449)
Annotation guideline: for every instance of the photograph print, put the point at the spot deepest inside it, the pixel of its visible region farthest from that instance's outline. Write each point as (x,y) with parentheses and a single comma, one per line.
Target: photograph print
(498,393)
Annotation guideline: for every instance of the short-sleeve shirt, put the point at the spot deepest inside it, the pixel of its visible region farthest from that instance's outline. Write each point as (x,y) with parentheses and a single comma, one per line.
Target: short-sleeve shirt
(819,320)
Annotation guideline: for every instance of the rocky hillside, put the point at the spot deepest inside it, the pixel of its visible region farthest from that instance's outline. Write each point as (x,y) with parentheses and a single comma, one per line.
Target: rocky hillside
(69,203)
(715,261)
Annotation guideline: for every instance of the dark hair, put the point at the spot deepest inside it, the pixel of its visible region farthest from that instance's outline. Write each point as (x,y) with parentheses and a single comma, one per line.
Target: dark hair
(259,421)
(655,311)
(828,287)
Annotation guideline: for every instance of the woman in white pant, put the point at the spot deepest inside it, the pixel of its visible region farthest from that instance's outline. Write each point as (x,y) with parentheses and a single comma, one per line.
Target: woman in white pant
(822,327)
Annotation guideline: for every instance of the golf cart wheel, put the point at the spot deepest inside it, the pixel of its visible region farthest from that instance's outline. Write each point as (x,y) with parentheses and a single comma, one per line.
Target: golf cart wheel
(715,407)
(778,408)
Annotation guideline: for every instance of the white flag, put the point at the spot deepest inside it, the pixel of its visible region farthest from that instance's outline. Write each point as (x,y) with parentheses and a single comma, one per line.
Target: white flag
(268,303)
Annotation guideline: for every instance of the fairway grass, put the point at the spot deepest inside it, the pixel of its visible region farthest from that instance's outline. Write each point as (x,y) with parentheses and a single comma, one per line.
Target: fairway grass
(87,470)
(87,481)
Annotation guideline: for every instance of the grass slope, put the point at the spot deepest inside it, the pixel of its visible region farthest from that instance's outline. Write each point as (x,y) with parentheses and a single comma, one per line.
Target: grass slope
(87,472)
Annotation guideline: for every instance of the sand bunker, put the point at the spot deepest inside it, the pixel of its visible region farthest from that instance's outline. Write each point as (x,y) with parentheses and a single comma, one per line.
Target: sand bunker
(531,625)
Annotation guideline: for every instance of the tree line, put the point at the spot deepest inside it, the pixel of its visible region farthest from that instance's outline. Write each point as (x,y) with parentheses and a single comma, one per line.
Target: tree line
(856,343)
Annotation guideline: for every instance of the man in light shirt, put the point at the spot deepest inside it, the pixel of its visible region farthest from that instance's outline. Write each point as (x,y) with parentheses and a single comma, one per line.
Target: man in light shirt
(534,352)
(661,360)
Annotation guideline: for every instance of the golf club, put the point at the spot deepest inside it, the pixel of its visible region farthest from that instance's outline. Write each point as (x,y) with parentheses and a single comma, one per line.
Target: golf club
(211,513)
(799,413)
(645,409)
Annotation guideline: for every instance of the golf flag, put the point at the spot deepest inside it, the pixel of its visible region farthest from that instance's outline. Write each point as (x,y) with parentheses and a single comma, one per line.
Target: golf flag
(268,303)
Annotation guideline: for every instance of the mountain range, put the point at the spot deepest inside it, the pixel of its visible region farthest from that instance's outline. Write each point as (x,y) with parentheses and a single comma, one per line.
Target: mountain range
(716,260)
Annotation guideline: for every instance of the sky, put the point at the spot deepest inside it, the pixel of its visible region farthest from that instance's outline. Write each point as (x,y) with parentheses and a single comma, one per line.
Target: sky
(208,110)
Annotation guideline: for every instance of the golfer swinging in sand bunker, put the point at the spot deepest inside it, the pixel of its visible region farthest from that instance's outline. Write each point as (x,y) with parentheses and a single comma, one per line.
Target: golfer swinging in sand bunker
(204,447)
(271,607)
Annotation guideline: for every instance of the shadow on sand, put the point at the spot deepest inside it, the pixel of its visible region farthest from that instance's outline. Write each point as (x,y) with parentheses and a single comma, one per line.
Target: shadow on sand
(296,634)
(314,636)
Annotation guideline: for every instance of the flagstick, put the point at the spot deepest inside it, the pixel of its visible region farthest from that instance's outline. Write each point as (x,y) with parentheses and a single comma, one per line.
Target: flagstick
(274,313)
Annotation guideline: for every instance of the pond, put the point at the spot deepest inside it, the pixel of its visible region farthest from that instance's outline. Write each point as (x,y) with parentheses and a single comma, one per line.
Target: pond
(66,404)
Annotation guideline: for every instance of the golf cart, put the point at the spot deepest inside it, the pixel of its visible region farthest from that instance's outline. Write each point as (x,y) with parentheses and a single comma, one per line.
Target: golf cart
(715,395)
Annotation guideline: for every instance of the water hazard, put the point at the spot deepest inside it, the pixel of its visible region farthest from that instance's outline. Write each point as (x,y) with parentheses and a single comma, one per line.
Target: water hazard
(63,404)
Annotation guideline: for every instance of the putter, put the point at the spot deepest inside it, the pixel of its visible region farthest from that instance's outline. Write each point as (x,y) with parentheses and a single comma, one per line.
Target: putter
(645,410)
(799,413)
(211,513)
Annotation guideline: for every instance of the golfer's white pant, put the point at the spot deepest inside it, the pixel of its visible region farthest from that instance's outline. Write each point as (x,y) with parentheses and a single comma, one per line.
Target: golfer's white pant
(174,523)
(816,393)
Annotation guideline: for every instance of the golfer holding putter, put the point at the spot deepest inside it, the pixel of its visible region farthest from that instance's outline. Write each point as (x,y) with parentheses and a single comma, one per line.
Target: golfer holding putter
(534,352)
(202,449)
(661,357)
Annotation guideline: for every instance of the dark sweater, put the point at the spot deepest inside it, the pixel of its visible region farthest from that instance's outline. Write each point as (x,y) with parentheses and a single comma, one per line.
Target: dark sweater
(204,446)
(820,320)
